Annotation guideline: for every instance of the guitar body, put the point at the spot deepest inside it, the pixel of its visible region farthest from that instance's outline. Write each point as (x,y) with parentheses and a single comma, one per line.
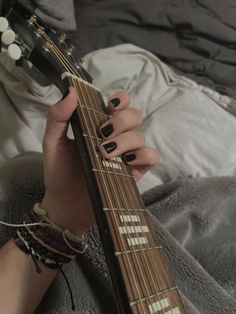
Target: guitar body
(140,276)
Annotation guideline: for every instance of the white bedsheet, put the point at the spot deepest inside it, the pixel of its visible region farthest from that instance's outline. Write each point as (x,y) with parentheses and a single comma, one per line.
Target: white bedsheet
(193,126)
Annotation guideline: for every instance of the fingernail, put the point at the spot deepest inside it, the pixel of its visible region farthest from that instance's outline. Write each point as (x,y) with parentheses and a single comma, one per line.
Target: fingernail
(115,102)
(110,147)
(129,157)
(67,92)
(107,130)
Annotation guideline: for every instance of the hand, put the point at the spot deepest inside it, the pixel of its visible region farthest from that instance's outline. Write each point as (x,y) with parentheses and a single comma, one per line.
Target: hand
(66,198)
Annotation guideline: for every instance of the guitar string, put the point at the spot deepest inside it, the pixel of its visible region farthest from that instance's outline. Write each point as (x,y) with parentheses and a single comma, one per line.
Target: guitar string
(146,255)
(147,264)
(54,52)
(69,65)
(104,181)
(73,72)
(141,272)
(134,199)
(125,198)
(112,183)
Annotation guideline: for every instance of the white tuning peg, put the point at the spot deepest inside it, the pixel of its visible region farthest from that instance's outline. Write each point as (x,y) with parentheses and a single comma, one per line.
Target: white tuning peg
(14,52)
(8,37)
(3,24)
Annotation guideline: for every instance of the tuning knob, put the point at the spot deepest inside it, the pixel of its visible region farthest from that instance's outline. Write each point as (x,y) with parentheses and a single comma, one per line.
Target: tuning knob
(14,52)
(62,38)
(70,50)
(8,37)
(3,24)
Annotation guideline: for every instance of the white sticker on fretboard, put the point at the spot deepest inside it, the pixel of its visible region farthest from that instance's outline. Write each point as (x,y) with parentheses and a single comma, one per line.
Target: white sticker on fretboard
(117,159)
(137,241)
(129,218)
(158,306)
(133,229)
(111,164)
(176,310)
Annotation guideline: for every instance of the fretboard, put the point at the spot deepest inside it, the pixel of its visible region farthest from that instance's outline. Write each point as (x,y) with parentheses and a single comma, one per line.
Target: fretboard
(148,283)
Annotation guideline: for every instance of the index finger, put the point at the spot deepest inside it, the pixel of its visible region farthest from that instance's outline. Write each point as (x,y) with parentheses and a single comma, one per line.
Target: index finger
(118,101)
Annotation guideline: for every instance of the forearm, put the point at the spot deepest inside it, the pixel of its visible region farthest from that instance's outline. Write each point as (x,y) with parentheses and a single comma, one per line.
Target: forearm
(21,287)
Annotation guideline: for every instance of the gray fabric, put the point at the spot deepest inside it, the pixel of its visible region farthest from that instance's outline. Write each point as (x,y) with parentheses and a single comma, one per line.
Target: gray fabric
(194,218)
(56,13)
(196,37)
(59,14)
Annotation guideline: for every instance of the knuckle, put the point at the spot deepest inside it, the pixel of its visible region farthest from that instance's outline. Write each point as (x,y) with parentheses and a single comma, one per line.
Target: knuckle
(152,157)
(139,136)
(138,116)
(123,118)
(129,118)
(125,97)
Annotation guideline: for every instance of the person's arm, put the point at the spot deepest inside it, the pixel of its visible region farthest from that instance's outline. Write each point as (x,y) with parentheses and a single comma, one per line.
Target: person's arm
(66,198)
(21,287)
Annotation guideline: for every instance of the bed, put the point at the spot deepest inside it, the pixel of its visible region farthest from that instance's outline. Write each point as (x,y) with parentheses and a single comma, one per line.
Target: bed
(176,59)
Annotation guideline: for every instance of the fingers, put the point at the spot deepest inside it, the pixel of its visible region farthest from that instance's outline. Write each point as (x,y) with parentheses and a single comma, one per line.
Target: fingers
(118,101)
(120,136)
(145,156)
(122,143)
(58,119)
(122,121)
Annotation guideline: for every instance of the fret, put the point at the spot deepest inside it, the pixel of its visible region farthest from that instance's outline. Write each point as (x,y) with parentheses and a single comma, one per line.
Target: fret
(79,80)
(139,254)
(124,209)
(113,173)
(103,164)
(165,302)
(96,119)
(96,98)
(98,139)
(149,276)
(126,241)
(95,111)
(152,296)
(139,250)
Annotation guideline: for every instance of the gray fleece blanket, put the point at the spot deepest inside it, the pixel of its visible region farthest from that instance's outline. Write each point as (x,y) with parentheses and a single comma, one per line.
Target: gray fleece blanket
(194,218)
(195,37)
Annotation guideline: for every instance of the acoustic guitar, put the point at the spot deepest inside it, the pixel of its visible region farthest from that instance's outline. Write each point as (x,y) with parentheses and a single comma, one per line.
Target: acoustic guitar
(141,279)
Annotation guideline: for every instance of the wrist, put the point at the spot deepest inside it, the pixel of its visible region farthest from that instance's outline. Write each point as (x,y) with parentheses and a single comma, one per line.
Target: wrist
(63,213)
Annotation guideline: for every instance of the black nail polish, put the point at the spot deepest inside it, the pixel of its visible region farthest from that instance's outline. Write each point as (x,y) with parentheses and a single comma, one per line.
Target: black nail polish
(115,102)
(107,130)
(129,157)
(110,147)
(67,92)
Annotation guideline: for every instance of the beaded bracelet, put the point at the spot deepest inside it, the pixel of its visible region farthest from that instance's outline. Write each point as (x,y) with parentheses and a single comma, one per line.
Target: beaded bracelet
(45,241)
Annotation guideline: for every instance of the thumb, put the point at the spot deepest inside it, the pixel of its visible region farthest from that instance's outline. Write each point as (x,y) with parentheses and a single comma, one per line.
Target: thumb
(58,119)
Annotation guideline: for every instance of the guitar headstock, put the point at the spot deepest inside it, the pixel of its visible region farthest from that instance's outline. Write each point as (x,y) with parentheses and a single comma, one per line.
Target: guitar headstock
(26,37)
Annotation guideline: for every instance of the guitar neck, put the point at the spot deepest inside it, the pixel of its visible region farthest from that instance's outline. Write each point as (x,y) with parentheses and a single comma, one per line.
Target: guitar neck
(139,273)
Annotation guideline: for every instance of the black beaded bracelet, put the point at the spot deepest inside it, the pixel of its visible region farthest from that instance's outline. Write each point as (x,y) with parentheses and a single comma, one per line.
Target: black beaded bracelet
(45,241)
